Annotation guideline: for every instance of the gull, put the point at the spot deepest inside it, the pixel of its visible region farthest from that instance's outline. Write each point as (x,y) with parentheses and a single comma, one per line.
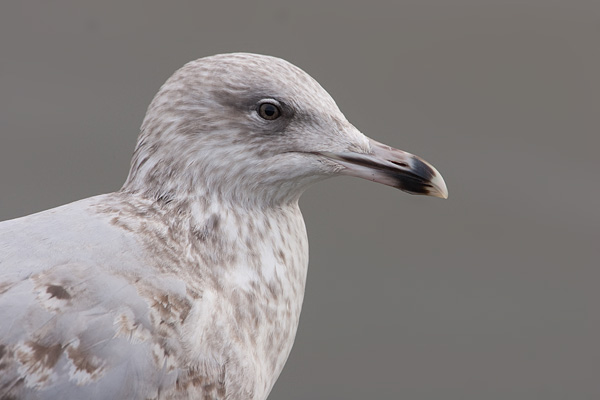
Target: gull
(188,282)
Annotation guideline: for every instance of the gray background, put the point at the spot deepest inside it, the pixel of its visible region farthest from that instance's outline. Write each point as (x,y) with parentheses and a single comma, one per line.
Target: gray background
(492,294)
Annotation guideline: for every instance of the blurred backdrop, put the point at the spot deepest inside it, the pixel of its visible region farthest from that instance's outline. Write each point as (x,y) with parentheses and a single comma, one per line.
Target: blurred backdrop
(491,294)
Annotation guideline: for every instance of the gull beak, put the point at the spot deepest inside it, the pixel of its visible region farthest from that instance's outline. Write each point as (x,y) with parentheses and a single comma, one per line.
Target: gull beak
(392,167)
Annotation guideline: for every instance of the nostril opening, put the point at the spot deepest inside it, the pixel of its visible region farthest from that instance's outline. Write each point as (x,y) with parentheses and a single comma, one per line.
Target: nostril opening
(400,164)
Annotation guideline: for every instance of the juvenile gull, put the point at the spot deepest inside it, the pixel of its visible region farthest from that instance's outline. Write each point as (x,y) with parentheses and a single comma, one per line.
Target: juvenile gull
(188,282)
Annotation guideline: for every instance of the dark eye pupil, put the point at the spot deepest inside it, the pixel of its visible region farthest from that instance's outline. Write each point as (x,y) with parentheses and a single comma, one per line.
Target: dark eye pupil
(269,111)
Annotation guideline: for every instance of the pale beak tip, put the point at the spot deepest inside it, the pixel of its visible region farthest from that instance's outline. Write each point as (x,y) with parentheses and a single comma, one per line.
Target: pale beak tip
(439,186)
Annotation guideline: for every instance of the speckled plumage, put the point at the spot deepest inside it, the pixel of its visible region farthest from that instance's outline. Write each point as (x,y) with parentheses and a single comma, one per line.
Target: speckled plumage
(188,282)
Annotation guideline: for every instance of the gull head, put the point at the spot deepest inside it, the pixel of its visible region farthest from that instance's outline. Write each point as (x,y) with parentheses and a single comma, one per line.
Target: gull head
(256,129)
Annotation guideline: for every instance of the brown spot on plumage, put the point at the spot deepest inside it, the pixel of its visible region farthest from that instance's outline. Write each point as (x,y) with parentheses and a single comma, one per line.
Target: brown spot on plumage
(5,286)
(38,360)
(58,291)
(4,357)
(87,366)
(281,257)
(209,387)
(170,306)
(44,356)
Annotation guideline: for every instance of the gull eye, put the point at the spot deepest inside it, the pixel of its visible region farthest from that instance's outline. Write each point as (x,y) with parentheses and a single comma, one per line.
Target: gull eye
(269,111)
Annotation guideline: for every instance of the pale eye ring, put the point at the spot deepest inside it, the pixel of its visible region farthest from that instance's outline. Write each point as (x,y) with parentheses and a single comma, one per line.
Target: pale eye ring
(269,111)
